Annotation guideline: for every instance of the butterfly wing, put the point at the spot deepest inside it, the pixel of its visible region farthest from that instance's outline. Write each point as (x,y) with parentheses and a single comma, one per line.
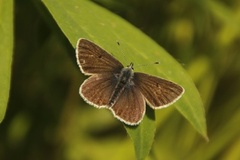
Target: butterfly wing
(97,89)
(130,106)
(94,60)
(158,92)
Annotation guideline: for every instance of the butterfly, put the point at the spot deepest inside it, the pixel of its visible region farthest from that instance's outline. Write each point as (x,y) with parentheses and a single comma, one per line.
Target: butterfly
(119,88)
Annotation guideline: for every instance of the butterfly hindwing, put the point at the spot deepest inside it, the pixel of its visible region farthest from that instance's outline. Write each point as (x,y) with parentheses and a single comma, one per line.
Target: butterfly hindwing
(130,106)
(97,89)
(158,92)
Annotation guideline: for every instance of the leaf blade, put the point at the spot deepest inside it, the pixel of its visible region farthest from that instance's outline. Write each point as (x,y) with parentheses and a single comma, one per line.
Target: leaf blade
(143,134)
(6,51)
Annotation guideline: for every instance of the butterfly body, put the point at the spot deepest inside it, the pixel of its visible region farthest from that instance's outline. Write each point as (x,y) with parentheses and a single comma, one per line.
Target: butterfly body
(118,88)
(125,80)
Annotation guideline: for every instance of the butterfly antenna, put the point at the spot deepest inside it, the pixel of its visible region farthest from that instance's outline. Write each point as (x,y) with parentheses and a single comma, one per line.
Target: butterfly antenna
(122,52)
(143,65)
(118,43)
(112,53)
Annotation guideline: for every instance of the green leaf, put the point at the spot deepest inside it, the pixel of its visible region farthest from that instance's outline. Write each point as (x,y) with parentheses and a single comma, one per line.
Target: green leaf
(143,134)
(6,50)
(84,19)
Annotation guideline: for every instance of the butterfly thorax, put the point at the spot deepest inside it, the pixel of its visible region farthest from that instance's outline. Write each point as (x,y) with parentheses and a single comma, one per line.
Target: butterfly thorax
(125,80)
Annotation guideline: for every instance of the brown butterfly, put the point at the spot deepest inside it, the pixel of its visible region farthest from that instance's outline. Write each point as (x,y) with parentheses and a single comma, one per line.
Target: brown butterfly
(119,88)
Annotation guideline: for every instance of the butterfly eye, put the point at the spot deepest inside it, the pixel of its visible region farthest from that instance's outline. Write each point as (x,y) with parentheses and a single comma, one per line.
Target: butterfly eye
(100,56)
(131,66)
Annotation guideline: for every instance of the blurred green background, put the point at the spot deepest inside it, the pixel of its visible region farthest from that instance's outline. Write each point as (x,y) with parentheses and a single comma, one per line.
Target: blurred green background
(47,119)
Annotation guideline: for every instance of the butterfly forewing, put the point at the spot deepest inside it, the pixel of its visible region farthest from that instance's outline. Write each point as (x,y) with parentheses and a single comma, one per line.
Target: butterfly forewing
(159,93)
(97,89)
(130,107)
(94,60)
